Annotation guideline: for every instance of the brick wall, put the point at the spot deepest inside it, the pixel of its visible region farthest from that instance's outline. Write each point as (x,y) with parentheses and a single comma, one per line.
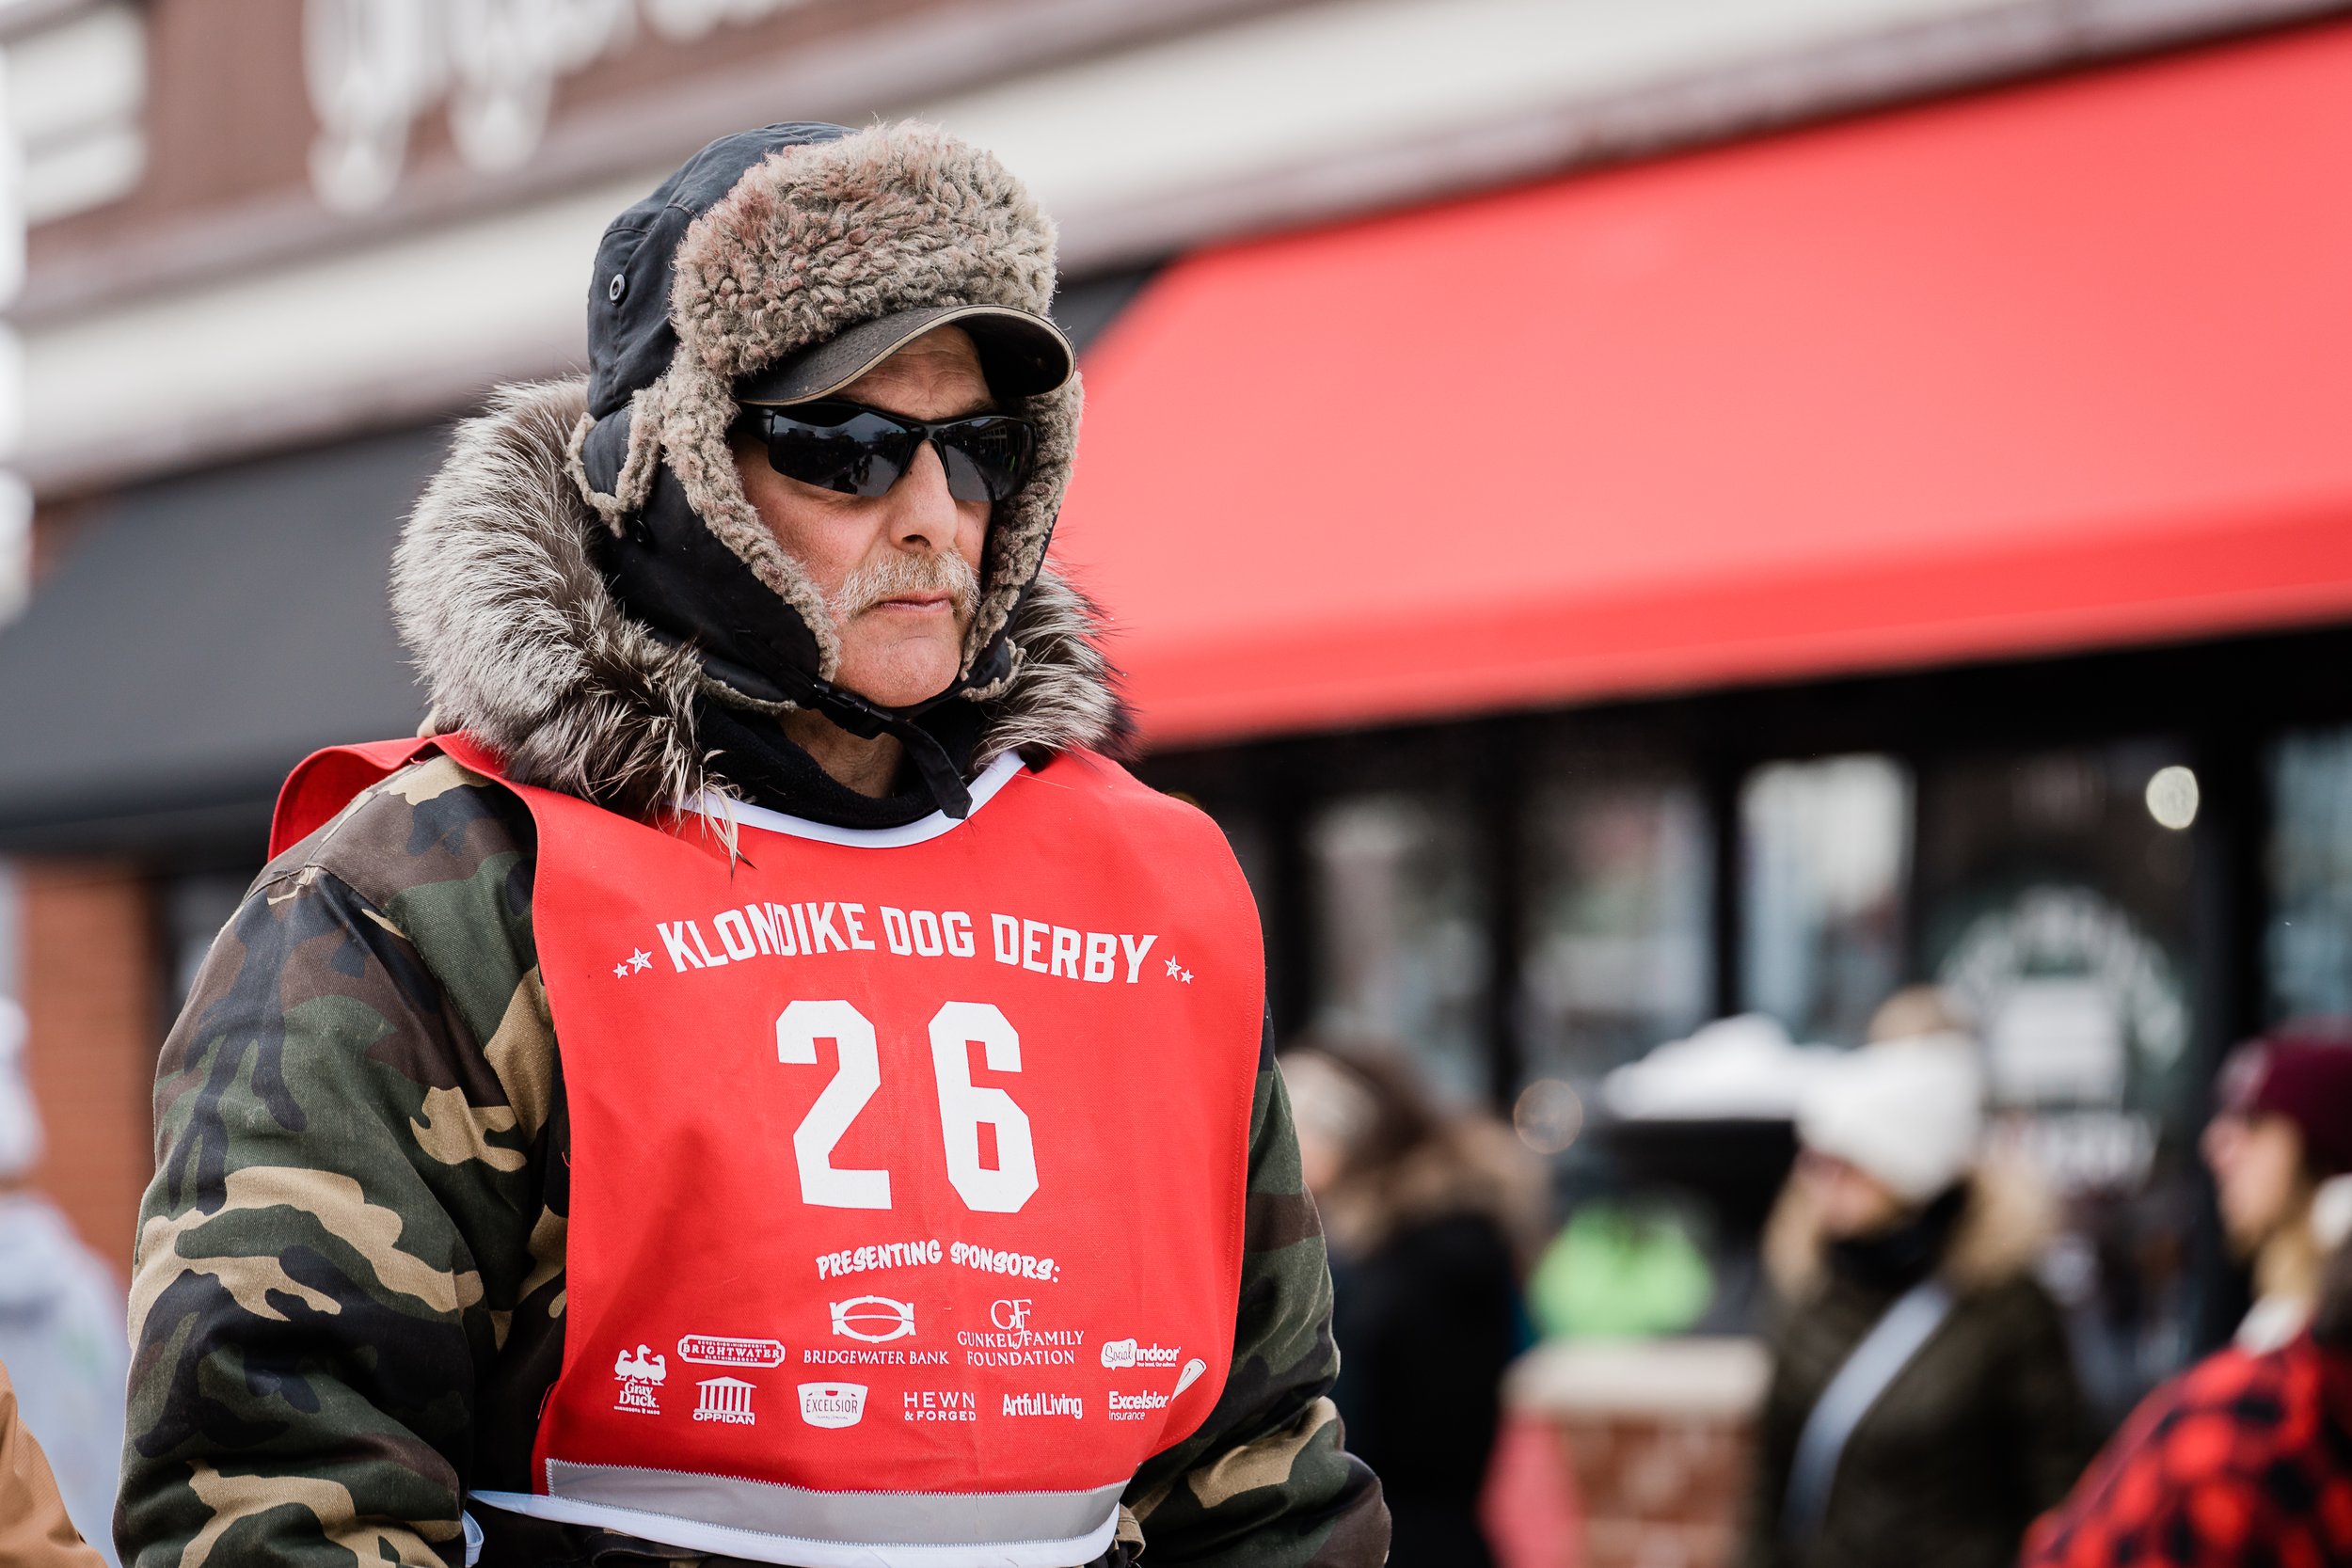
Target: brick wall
(88,977)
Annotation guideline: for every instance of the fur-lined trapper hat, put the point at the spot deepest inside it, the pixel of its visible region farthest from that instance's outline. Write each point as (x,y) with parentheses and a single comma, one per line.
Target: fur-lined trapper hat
(574,632)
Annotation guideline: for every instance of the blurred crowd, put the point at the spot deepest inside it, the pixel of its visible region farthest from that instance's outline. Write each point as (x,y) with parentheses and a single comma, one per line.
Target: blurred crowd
(1924,1405)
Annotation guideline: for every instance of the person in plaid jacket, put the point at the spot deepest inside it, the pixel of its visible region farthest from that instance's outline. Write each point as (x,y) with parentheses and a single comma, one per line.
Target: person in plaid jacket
(2245,1459)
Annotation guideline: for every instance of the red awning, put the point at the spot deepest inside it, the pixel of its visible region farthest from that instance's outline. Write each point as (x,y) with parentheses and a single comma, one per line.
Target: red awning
(2059,367)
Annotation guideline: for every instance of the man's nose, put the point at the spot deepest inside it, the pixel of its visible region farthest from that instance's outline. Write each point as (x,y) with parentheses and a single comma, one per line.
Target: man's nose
(921,510)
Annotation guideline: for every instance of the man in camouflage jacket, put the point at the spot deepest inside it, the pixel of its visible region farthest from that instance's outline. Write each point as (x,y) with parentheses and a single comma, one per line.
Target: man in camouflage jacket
(349,1299)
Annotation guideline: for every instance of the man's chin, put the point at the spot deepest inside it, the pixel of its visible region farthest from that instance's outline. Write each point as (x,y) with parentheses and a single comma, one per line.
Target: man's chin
(899,682)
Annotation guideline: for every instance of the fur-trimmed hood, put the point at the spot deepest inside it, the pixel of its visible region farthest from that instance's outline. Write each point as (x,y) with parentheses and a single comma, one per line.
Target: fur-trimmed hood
(519,641)
(2009,1220)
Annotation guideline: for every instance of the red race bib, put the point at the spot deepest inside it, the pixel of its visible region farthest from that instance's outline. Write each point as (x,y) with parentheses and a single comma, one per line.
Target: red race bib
(908,1164)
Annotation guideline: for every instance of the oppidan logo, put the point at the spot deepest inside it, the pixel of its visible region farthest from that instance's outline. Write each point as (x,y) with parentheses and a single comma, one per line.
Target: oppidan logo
(1127,1353)
(727,1400)
(833,1405)
(876,1320)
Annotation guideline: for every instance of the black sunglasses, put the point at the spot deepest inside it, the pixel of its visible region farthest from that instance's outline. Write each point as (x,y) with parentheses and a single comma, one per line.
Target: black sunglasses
(857,451)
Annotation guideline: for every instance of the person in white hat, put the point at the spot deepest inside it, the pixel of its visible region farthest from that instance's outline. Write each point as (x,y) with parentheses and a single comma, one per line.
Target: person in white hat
(1923,1406)
(62,1337)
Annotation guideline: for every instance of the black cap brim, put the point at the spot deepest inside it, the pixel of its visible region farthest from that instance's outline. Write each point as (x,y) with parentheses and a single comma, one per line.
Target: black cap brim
(1021,354)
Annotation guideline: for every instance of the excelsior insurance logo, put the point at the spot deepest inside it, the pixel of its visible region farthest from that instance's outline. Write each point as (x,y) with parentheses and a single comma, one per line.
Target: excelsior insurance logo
(833,1405)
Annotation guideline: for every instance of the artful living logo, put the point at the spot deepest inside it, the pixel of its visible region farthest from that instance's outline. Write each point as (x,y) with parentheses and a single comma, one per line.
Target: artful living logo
(833,1405)
(1071,1405)
(876,1320)
(1127,1353)
(727,1400)
(641,1373)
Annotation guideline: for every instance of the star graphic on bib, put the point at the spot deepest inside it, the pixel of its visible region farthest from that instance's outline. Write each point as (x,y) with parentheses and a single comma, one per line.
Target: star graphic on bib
(1185,976)
(1174,968)
(641,959)
(620,971)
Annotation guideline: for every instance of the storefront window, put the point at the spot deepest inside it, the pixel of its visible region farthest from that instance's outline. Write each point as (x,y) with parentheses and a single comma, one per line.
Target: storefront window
(2056,888)
(1616,923)
(1401,944)
(1824,852)
(2309,942)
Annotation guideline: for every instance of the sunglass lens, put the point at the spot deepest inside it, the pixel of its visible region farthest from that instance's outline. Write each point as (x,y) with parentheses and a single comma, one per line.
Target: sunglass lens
(863,455)
(986,458)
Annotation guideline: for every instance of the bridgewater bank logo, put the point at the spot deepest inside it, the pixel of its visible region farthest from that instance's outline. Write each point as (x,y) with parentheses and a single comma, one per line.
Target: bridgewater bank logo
(833,1405)
(876,1320)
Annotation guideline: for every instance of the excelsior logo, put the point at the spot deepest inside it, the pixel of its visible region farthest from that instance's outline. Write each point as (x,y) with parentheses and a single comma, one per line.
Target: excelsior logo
(876,1320)
(1127,1353)
(833,1405)
(1134,1407)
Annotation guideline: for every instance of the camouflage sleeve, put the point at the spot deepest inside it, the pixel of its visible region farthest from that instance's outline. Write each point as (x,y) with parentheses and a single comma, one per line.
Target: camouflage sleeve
(1268,1481)
(341,1210)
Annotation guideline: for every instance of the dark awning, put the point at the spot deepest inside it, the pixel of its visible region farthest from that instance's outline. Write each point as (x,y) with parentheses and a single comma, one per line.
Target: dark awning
(203,635)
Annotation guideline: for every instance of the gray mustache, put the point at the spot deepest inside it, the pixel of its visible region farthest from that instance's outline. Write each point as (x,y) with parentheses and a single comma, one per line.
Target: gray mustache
(900,573)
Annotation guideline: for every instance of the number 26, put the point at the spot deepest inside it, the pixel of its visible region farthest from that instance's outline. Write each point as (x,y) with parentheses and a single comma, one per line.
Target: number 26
(962,1105)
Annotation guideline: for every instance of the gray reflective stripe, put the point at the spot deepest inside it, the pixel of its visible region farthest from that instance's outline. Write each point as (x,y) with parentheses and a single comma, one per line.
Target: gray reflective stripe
(1870,1367)
(775,1522)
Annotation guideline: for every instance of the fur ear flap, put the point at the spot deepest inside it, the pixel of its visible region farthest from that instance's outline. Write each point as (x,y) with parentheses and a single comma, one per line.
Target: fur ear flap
(694,410)
(635,482)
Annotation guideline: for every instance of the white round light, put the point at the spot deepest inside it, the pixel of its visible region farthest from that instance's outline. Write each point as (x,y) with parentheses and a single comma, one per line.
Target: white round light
(2172,797)
(1548,1116)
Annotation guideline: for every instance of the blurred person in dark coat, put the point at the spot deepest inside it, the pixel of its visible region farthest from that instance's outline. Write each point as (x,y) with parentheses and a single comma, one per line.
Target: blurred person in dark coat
(1426,1212)
(1923,1407)
(2244,1459)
